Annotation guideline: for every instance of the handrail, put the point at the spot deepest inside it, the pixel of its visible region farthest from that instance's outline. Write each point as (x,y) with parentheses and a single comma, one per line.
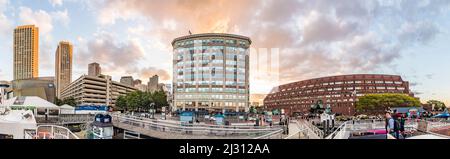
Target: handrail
(341,128)
(53,133)
(314,129)
(200,126)
(191,128)
(278,132)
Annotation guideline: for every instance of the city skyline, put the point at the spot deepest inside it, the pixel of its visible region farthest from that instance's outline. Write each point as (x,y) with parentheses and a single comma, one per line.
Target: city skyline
(315,39)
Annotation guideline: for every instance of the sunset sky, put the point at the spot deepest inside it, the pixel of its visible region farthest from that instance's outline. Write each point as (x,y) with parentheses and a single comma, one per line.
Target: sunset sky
(316,38)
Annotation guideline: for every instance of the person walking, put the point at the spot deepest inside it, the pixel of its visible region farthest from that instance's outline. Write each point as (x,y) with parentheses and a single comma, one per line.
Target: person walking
(386,123)
(402,125)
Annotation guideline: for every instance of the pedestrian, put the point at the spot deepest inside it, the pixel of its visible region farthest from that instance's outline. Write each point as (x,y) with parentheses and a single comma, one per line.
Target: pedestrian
(387,123)
(402,125)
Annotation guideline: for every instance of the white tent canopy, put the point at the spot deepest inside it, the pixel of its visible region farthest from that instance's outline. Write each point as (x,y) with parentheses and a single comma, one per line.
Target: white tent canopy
(15,122)
(67,109)
(26,101)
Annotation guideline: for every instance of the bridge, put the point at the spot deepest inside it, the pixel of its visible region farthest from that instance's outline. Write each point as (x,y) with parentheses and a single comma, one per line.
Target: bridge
(169,129)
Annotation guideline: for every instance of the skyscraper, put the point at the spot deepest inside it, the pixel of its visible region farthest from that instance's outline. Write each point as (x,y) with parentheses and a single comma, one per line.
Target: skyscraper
(94,69)
(153,83)
(211,72)
(128,80)
(26,52)
(63,66)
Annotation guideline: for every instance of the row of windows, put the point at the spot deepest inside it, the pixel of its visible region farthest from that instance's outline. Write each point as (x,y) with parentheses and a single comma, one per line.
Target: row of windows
(209,97)
(213,104)
(209,41)
(347,82)
(349,89)
(213,90)
(217,82)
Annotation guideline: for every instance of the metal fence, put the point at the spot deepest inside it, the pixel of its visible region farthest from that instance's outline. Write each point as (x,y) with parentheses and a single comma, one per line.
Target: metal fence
(194,129)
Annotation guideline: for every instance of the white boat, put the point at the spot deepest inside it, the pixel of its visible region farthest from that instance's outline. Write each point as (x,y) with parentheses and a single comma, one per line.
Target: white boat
(16,124)
(21,124)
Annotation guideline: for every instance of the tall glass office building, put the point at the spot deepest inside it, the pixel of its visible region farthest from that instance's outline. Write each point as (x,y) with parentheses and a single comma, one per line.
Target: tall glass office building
(211,72)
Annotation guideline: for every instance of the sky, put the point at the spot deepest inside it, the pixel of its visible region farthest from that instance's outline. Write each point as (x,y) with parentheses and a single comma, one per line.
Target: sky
(310,39)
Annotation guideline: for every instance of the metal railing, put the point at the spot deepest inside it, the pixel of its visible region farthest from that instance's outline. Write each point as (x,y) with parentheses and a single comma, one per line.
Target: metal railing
(54,132)
(313,130)
(341,132)
(194,129)
(273,135)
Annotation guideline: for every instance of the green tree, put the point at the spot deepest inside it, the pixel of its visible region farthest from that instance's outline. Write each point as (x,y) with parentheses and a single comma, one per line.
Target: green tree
(121,102)
(380,102)
(438,105)
(142,100)
(69,101)
(58,101)
(160,99)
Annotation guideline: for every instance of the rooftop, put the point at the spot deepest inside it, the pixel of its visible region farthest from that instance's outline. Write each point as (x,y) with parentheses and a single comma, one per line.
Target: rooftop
(211,35)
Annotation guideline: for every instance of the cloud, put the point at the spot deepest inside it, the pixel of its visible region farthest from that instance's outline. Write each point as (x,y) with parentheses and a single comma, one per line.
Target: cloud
(61,16)
(316,38)
(56,2)
(43,19)
(115,58)
(5,23)
(145,73)
(422,32)
(40,18)
(413,84)
(324,28)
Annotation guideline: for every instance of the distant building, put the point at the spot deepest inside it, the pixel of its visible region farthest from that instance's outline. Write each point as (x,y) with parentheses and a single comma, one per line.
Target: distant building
(141,87)
(137,82)
(4,86)
(128,80)
(153,84)
(63,66)
(42,87)
(339,92)
(257,100)
(211,72)
(26,52)
(96,90)
(94,69)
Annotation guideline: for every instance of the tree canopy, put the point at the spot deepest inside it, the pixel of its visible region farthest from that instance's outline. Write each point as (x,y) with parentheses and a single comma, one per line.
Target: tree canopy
(438,105)
(383,101)
(142,100)
(69,101)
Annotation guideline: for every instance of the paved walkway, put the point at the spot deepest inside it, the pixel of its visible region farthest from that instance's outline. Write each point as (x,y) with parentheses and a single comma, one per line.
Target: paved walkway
(167,129)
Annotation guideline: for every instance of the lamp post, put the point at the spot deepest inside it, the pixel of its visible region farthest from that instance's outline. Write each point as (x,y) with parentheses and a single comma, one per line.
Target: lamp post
(152,110)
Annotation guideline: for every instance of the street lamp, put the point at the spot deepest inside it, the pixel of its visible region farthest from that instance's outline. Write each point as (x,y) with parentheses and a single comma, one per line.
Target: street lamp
(152,110)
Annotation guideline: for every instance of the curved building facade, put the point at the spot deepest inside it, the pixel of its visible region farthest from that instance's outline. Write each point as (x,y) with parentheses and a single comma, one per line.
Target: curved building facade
(339,92)
(211,72)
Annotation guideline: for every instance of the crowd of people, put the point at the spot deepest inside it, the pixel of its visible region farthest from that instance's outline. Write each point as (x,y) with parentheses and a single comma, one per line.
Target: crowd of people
(395,124)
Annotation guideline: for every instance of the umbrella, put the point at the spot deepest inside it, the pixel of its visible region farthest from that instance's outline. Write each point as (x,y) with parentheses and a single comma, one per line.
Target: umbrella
(444,114)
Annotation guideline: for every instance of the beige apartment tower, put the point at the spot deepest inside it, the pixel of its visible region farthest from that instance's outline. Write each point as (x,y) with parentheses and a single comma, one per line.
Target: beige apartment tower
(26,52)
(63,66)
(94,69)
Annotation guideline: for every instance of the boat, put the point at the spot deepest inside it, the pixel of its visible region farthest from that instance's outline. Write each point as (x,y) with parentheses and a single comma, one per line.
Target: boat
(21,124)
